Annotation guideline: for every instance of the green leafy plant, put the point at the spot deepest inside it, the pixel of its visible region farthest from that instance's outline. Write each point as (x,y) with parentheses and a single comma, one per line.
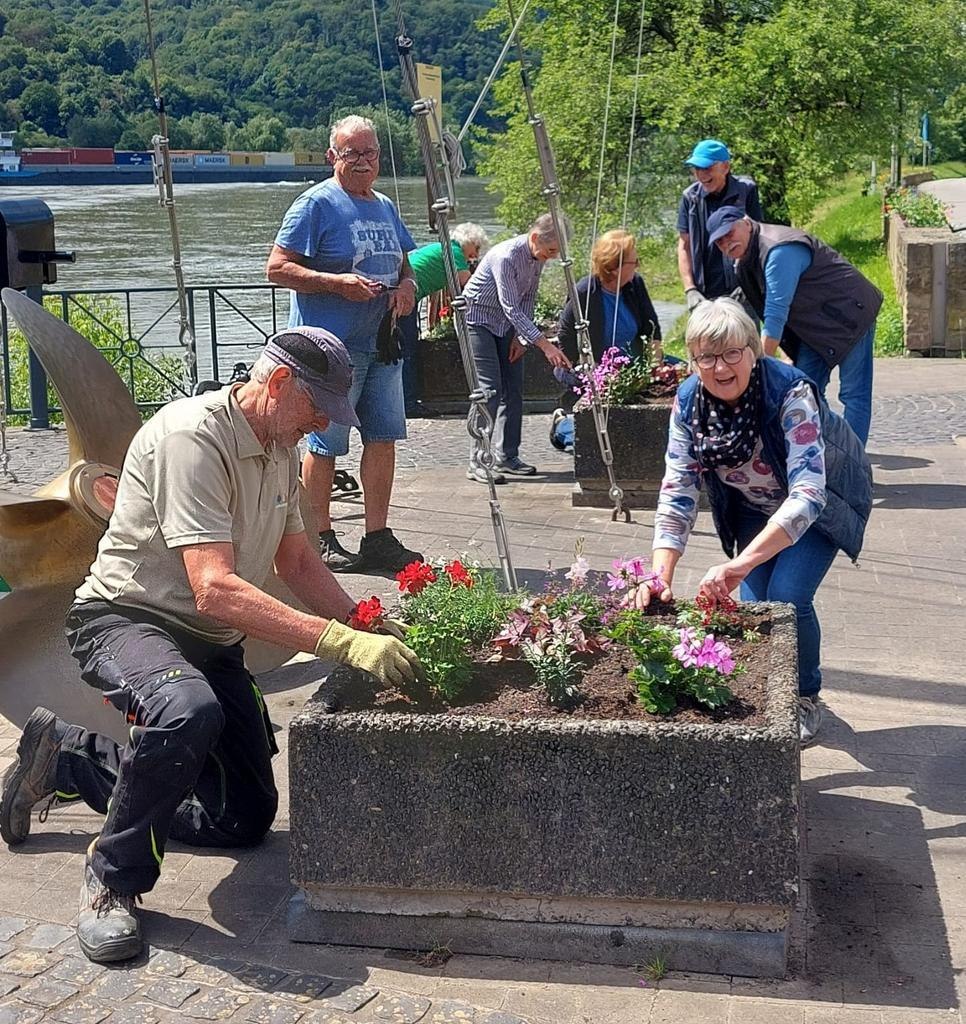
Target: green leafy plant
(151,378)
(917,209)
(449,612)
(555,667)
(673,662)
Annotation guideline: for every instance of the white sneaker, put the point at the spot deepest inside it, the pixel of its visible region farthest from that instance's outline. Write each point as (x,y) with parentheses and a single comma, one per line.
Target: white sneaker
(809,719)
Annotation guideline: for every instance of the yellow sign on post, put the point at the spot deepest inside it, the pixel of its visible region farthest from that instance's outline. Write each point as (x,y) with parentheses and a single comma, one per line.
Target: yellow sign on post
(429,79)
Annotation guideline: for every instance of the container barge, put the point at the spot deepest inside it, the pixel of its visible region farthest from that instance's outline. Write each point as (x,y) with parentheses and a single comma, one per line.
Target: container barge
(73,165)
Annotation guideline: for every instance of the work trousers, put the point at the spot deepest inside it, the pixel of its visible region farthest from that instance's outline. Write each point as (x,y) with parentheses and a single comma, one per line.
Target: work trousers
(197,765)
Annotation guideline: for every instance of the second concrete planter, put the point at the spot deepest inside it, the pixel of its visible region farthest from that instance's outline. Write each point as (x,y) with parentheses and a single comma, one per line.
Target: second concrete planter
(638,437)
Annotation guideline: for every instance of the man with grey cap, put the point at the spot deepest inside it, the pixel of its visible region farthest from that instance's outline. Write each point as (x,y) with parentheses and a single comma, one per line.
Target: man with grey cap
(207,504)
(812,303)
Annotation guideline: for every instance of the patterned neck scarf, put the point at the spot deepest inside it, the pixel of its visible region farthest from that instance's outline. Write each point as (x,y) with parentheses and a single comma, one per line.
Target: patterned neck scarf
(725,434)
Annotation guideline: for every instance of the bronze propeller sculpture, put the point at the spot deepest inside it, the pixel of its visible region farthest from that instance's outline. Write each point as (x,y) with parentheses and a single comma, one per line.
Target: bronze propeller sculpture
(48,540)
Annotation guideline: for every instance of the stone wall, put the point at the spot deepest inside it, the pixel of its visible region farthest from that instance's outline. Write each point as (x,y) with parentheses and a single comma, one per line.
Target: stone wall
(929,270)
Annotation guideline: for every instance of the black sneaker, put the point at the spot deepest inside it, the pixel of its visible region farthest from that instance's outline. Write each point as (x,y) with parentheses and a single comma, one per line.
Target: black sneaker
(32,777)
(334,554)
(382,552)
(516,467)
(107,927)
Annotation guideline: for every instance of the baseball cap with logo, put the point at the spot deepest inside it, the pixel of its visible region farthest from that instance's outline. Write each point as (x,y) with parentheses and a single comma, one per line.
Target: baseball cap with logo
(708,152)
(318,358)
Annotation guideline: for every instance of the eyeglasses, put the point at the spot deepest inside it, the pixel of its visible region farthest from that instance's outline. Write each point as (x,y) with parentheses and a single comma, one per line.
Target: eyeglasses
(708,360)
(353,156)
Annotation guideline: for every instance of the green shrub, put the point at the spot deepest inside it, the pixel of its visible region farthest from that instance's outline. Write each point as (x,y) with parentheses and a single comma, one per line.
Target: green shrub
(100,319)
(917,209)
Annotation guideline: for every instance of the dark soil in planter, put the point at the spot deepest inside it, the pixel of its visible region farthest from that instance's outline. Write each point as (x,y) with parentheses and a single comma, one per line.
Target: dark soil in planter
(507,689)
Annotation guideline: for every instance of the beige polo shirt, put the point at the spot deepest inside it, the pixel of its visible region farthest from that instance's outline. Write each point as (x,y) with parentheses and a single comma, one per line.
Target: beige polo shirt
(195,474)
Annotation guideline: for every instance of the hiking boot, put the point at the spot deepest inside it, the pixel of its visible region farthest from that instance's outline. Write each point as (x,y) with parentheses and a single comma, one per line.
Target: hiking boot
(381,552)
(107,928)
(558,415)
(478,473)
(334,554)
(32,777)
(809,719)
(516,467)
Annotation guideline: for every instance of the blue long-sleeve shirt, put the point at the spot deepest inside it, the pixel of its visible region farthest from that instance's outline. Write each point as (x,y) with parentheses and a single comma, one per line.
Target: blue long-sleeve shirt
(785,265)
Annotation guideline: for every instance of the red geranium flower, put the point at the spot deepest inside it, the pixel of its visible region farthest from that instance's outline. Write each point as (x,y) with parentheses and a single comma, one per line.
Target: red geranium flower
(458,574)
(368,615)
(444,312)
(415,577)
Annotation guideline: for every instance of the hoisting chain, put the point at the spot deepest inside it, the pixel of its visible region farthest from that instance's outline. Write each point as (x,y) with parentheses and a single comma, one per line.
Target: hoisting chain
(164,181)
(551,189)
(479,422)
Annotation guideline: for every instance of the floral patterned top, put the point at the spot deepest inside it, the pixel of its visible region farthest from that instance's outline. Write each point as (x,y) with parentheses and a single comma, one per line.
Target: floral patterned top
(794,512)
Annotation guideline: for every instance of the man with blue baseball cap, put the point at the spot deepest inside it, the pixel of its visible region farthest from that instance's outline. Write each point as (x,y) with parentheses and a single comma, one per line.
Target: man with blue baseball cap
(704,274)
(813,303)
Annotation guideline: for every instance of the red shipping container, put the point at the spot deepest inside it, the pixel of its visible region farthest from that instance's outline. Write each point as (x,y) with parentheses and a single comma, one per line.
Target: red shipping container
(44,156)
(91,156)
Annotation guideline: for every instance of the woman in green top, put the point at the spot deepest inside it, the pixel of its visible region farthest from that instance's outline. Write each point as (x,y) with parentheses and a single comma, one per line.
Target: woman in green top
(469,242)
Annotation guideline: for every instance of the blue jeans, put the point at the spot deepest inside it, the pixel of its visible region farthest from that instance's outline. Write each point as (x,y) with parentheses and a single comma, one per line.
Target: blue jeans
(376,395)
(491,354)
(563,432)
(412,372)
(855,380)
(793,576)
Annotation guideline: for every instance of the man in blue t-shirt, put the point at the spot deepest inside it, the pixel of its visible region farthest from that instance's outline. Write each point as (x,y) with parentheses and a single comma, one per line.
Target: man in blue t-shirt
(342,250)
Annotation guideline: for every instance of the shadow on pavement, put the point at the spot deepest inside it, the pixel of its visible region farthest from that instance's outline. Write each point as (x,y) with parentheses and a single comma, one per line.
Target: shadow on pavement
(925,496)
(894,462)
(872,909)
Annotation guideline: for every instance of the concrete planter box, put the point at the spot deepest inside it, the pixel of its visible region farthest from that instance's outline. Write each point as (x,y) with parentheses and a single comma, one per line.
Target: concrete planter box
(598,841)
(444,382)
(638,438)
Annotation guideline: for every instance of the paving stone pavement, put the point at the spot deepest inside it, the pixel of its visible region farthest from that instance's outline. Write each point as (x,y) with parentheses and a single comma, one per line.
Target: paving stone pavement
(880,936)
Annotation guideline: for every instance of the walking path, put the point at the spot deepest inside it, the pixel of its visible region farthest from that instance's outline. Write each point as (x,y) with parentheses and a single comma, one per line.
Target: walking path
(880,937)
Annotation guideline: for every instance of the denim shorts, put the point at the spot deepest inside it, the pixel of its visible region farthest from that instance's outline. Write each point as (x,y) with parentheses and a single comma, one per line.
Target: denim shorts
(377,397)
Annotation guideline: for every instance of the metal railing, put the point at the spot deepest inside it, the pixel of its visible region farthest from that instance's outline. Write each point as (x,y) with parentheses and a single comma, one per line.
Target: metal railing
(137,331)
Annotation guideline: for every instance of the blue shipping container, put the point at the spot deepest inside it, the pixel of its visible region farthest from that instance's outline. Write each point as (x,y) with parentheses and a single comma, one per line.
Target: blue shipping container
(133,158)
(211,160)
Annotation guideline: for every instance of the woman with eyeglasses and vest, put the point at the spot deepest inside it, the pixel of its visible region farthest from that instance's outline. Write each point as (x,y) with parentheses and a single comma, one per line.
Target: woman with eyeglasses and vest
(788,481)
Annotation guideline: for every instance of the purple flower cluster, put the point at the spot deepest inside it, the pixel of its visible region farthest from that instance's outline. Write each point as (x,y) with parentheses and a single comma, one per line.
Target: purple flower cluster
(706,653)
(630,572)
(599,379)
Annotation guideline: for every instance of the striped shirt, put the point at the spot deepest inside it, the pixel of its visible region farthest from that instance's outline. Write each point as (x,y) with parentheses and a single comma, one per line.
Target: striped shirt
(502,292)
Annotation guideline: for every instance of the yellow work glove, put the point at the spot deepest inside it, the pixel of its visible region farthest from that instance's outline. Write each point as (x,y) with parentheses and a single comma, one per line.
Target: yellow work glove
(389,660)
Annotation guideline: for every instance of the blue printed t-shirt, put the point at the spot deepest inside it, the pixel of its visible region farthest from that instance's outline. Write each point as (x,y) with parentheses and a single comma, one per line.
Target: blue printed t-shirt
(340,233)
(626,328)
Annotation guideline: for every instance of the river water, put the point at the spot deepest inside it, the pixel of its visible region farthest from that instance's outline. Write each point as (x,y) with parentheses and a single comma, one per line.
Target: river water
(122,239)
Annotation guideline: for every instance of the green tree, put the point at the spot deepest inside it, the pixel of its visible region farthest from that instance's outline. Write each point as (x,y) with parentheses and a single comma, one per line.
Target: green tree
(102,130)
(261,133)
(40,103)
(800,90)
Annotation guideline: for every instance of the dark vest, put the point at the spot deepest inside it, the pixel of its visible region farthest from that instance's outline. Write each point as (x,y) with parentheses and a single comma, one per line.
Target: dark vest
(848,473)
(739,191)
(833,306)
